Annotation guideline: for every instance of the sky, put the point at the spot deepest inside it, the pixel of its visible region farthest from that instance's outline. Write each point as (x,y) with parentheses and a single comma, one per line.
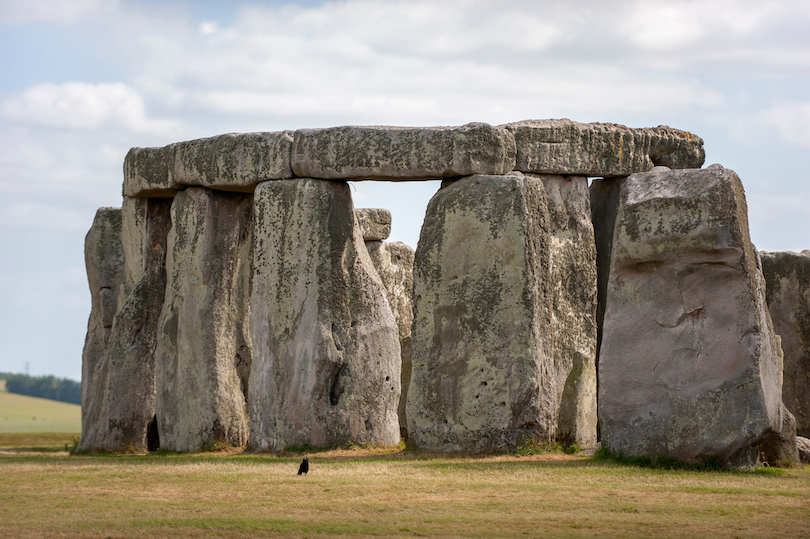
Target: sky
(85,80)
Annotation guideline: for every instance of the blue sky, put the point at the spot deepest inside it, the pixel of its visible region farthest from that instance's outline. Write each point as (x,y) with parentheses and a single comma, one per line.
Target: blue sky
(85,80)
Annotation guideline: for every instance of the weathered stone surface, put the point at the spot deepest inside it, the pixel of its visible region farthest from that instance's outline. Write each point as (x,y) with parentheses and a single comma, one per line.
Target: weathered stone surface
(149,172)
(689,366)
(375,223)
(788,293)
(803,447)
(326,364)
(394,264)
(780,448)
(392,153)
(573,306)
(104,260)
(482,373)
(128,412)
(203,349)
(230,162)
(566,147)
(133,240)
(504,330)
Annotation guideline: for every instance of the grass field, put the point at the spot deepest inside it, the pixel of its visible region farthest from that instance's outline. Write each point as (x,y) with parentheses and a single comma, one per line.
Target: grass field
(394,493)
(20,413)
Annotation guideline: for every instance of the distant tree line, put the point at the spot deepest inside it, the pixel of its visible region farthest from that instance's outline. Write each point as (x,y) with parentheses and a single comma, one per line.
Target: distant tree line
(45,387)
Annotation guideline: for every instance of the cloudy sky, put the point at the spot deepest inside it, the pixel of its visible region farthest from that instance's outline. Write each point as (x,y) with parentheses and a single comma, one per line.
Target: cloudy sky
(84,80)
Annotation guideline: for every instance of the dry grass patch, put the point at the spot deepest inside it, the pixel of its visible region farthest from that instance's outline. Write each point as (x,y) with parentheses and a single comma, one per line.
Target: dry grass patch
(389,493)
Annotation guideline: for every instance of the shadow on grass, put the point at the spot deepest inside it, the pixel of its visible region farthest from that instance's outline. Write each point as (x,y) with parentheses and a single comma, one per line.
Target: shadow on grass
(711,464)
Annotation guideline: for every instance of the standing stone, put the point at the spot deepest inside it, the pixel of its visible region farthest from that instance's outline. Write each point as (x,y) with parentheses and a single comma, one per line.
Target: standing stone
(689,367)
(129,387)
(326,365)
(381,152)
(133,240)
(375,223)
(788,292)
(104,260)
(394,265)
(566,147)
(803,447)
(781,448)
(483,374)
(203,349)
(573,306)
(230,162)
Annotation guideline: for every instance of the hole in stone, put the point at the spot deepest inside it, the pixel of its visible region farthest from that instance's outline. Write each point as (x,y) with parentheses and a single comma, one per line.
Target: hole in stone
(354,323)
(152,435)
(387,378)
(483,383)
(368,424)
(336,390)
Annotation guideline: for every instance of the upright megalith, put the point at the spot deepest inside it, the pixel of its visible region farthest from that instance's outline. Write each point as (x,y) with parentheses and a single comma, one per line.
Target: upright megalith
(787,275)
(123,420)
(104,260)
(326,363)
(204,350)
(402,153)
(598,149)
(505,303)
(230,162)
(394,264)
(690,367)
(572,301)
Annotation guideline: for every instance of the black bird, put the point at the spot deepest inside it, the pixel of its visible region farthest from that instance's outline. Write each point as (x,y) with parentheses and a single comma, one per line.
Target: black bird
(304,468)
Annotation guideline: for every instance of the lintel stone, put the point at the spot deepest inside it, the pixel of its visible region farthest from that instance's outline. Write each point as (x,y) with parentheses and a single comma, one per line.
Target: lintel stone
(375,223)
(230,162)
(601,149)
(402,153)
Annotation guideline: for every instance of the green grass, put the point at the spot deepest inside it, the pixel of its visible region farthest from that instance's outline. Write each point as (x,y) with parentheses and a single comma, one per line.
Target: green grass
(388,493)
(20,413)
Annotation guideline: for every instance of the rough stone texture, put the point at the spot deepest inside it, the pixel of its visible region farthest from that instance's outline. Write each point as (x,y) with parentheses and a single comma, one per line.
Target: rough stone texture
(133,240)
(803,447)
(375,223)
(788,293)
(573,306)
(230,162)
(780,448)
(394,265)
(326,364)
(482,373)
(566,147)
(104,260)
(504,330)
(689,366)
(399,153)
(149,172)
(128,385)
(203,350)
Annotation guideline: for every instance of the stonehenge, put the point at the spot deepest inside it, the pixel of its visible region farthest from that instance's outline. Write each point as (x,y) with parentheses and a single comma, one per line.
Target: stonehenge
(572,282)
(689,363)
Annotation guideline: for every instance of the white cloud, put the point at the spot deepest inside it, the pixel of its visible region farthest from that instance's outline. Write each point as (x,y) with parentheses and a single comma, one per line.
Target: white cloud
(27,217)
(63,11)
(76,105)
(792,122)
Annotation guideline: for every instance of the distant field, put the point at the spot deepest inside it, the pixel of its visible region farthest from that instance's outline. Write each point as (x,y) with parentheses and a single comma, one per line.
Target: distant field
(20,413)
(362,493)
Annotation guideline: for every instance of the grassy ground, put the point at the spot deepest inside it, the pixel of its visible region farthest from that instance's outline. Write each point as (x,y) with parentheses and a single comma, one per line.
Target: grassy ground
(20,413)
(387,493)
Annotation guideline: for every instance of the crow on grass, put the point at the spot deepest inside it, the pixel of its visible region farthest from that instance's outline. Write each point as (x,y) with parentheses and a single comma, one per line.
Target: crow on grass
(304,468)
